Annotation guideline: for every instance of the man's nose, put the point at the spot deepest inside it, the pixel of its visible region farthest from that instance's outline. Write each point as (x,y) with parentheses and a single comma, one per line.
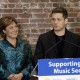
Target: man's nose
(55,21)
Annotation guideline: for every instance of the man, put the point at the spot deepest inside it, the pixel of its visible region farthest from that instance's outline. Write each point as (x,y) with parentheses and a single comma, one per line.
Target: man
(59,42)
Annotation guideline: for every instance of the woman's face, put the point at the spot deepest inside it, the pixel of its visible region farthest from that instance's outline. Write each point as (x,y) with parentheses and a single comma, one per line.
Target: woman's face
(11,31)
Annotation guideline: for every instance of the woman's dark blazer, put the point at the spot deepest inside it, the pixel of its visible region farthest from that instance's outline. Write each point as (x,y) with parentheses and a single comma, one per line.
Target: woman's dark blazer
(46,46)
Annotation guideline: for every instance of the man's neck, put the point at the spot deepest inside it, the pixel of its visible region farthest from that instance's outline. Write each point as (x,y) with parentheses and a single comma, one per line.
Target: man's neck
(60,32)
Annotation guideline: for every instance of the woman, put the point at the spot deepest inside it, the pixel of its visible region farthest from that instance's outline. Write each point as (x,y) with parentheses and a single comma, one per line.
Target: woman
(15,55)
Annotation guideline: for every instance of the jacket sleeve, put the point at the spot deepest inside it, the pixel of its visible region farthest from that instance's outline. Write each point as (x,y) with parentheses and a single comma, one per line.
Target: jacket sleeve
(39,51)
(29,67)
(4,73)
(78,52)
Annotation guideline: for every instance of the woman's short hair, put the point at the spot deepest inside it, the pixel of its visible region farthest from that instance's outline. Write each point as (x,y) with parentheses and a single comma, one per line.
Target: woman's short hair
(4,22)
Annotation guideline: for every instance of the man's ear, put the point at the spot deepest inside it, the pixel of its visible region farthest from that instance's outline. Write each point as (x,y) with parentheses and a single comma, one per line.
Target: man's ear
(66,20)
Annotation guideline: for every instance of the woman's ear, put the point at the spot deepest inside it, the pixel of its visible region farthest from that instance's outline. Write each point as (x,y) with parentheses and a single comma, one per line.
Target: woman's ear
(4,31)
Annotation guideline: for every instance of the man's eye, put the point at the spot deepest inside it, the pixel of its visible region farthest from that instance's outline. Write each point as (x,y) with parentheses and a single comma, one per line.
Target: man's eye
(59,19)
(53,19)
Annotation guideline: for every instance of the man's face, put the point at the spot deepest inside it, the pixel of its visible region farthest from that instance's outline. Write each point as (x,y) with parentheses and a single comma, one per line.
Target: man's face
(58,21)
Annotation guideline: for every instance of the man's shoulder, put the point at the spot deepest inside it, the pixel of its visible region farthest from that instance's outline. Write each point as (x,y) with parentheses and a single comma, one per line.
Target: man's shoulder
(46,34)
(74,35)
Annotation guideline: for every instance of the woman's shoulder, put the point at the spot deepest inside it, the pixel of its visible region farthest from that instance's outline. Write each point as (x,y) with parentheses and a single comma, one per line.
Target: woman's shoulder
(2,44)
(23,42)
(1,41)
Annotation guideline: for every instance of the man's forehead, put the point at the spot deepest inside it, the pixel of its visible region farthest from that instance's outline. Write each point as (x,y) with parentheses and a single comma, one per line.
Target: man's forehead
(57,15)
